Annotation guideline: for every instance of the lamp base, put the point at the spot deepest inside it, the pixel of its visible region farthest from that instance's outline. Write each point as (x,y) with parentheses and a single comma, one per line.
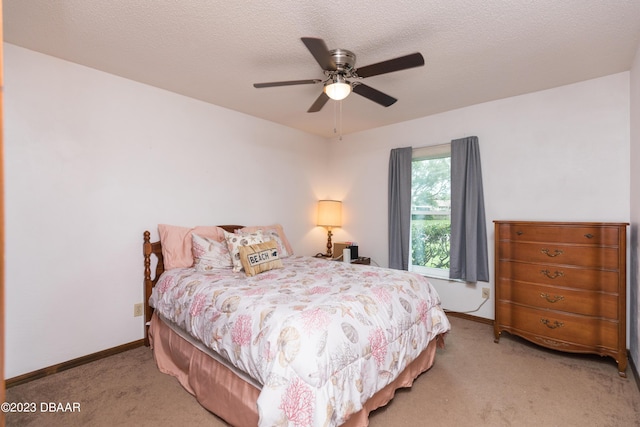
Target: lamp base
(329,253)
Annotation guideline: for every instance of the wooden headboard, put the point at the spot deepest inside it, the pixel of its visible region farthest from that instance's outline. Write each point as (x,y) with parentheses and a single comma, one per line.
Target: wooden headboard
(150,248)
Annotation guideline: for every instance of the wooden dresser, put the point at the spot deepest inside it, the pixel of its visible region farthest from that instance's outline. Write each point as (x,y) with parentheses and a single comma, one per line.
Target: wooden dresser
(562,285)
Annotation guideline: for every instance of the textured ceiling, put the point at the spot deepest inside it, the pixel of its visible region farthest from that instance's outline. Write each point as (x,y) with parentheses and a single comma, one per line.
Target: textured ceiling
(214,50)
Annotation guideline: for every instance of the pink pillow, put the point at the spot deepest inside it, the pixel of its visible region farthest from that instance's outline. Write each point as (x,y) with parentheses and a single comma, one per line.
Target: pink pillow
(177,244)
(273,232)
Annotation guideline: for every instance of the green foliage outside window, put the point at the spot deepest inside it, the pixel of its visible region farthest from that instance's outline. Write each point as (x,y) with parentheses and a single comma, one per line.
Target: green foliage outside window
(431,183)
(430,212)
(430,243)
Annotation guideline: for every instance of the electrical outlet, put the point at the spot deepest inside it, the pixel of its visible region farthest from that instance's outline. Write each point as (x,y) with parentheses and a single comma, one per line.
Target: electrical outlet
(138,310)
(486,293)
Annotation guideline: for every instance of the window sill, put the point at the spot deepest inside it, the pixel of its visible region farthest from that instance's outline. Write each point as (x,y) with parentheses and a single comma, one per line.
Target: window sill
(434,273)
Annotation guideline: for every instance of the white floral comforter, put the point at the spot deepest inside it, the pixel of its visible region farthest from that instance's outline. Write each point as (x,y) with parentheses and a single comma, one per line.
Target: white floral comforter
(320,336)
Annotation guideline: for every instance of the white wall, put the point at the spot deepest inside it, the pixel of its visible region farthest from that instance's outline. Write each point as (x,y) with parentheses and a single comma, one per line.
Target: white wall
(92,160)
(634,243)
(557,155)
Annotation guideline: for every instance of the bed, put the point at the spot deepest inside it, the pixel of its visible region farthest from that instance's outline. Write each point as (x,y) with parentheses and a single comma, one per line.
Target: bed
(302,341)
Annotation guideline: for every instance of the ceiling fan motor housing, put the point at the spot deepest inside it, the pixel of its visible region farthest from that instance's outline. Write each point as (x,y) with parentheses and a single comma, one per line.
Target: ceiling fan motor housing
(344,59)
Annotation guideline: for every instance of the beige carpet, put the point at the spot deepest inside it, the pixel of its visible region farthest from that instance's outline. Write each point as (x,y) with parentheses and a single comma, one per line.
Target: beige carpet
(474,382)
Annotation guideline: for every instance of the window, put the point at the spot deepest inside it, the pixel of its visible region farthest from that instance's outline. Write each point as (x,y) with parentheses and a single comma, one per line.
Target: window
(431,210)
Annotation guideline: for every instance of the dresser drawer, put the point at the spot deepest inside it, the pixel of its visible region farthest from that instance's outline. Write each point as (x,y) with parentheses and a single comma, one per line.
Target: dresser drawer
(556,275)
(585,256)
(527,232)
(561,299)
(582,330)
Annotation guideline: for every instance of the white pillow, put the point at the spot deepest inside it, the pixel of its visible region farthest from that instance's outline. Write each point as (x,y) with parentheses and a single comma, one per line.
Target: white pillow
(210,254)
(273,232)
(234,241)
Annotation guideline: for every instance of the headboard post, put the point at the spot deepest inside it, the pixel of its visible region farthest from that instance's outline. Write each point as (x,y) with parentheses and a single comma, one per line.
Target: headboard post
(149,249)
(146,248)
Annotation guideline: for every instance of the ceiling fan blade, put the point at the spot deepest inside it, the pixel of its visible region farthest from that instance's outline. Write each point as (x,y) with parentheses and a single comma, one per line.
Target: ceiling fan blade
(320,52)
(374,95)
(288,83)
(391,65)
(319,103)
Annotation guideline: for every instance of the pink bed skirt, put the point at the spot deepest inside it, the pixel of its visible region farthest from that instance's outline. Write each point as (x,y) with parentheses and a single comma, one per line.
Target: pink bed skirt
(222,392)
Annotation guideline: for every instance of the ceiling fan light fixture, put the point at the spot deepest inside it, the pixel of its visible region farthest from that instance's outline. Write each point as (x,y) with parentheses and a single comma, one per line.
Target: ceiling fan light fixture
(338,89)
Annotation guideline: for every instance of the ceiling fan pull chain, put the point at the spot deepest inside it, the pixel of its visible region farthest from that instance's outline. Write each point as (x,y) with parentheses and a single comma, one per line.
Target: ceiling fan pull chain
(335,118)
(340,121)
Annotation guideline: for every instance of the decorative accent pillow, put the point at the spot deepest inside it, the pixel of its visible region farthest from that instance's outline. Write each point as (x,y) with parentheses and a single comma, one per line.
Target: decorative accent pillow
(234,241)
(177,243)
(260,257)
(210,254)
(275,232)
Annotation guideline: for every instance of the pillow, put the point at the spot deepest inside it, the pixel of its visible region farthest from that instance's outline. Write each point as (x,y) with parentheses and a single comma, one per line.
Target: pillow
(210,254)
(260,257)
(275,232)
(234,241)
(177,243)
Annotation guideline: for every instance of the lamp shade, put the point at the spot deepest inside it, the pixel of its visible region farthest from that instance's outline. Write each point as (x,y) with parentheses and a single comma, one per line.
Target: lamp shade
(329,213)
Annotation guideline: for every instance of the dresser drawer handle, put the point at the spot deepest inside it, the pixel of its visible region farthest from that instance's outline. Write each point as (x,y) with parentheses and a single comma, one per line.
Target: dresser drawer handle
(552,276)
(551,325)
(554,254)
(519,233)
(589,236)
(550,299)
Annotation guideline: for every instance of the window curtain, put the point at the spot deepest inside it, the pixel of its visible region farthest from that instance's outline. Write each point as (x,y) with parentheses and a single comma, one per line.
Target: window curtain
(399,207)
(469,256)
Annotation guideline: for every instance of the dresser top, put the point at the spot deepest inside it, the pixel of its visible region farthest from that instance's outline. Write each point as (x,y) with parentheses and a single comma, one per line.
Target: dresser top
(565,223)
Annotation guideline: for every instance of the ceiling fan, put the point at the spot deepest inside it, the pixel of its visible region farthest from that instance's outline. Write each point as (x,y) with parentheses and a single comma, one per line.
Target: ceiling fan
(338,65)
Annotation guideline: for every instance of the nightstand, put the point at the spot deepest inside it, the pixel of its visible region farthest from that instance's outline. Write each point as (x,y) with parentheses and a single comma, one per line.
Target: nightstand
(362,260)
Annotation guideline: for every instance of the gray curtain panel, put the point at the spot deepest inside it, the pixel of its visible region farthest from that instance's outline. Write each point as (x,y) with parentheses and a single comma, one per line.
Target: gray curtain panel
(399,207)
(469,255)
